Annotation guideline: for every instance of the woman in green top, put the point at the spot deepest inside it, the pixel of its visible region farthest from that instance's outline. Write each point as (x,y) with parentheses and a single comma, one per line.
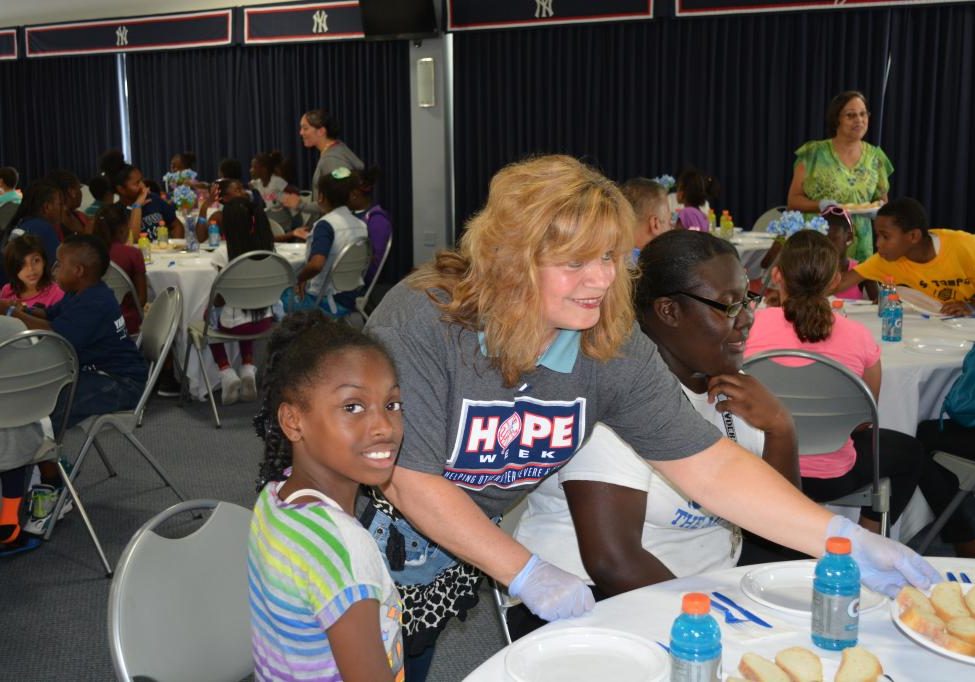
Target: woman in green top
(842,169)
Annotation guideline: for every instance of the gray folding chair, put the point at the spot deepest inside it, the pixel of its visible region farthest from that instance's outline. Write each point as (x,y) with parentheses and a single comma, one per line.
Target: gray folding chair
(964,469)
(35,368)
(158,332)
(122,286)
(502,600)
(774,213)
(827,402)
(346,273)
(179,608)
(252,280)
(362,301)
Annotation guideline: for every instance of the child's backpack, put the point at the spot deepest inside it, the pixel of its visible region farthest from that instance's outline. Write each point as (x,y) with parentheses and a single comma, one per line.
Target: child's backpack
(960,402)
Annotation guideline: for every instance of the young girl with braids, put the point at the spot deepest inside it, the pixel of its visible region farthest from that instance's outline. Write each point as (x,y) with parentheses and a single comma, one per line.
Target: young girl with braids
(323,605)
(807,268)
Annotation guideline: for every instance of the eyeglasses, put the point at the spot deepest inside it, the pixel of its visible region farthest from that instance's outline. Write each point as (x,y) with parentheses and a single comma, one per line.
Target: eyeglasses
(729,309)
(838,210)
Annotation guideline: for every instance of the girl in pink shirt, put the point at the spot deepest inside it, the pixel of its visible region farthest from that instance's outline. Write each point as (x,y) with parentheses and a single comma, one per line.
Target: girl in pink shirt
(805,271)
(841,236)
(30,273)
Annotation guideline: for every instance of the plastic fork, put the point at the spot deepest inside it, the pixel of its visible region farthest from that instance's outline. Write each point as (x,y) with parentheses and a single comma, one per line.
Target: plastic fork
(963,577)
(734,621)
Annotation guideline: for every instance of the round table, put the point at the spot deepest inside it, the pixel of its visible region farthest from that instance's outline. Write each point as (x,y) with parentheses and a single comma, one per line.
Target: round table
(752,247)
(193,274)
(650,611)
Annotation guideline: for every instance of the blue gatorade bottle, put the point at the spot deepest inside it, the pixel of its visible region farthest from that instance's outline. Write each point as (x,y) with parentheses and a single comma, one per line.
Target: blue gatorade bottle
(213,234)
(836,597)
(892,321)
(695,642)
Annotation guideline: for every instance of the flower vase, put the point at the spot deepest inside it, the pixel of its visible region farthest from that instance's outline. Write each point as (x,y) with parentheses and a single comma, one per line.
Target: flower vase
(189,228)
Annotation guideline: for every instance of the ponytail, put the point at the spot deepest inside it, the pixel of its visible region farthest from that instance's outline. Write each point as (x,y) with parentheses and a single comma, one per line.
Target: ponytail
(808,264)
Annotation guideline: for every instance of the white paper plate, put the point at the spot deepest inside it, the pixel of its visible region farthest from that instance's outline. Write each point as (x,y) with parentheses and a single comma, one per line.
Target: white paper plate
(919,301)
(758,235)
(584,654)
(895,613)
(789,588)
(964,324)
(934,345)
(870,209)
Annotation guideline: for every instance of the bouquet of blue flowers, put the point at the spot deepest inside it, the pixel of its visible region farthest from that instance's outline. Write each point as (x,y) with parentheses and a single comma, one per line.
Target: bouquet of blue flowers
(791,222)
(176,178)
(184,197)
(666,180)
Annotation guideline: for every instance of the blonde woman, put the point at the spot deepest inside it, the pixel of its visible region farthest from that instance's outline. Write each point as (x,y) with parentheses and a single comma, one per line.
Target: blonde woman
(509,349)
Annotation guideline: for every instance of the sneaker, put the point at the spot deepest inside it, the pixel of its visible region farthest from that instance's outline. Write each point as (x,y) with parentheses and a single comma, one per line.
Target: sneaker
(167,386)
(229,386)
(41,502)
(248,383)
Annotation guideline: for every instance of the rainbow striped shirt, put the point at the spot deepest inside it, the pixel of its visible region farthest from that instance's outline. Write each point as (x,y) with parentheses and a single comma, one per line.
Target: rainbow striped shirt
(307,564)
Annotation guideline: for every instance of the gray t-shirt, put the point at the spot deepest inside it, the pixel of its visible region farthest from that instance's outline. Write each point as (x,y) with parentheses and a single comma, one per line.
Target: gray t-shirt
(336,156)
(498,443)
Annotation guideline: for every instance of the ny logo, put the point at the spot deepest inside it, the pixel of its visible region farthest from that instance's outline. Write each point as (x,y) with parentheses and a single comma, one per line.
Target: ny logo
(321,22)
(543,9)
(121,36)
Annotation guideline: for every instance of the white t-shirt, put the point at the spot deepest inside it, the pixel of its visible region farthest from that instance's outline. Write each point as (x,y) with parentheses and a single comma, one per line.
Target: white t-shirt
(684,536)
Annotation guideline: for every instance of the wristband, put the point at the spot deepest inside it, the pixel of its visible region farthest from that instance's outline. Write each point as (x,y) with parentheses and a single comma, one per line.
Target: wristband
(135,206)
(11,310)
(200,219)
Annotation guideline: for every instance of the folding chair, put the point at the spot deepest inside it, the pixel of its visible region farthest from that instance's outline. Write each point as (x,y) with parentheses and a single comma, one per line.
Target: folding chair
(774,213)
(362,301)
(122,286)
(35,368)
(502,600)
(252,280)
(827,402)
(158,332)
(179,608)
(346,273)
(964,469)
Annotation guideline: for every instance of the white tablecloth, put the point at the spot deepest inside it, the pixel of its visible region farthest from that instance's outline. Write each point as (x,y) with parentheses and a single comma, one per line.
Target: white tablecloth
(752,248)
(650,611)
(193,274)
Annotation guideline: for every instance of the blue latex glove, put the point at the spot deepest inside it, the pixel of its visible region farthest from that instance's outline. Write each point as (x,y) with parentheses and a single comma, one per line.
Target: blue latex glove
(826,203)
(885,565)
(549,592)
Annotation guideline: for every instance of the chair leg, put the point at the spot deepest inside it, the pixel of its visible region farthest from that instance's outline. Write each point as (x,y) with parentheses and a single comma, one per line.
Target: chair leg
(84,516)
(184,384)
(101,453)
(62,498)
(206,380)
(502,610)
(940,522)
(884,526)
(154,464)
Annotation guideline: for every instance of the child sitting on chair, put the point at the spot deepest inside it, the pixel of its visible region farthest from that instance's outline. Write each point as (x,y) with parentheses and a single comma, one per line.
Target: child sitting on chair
(30,274)
(336,229)
(938,263)
(111,225)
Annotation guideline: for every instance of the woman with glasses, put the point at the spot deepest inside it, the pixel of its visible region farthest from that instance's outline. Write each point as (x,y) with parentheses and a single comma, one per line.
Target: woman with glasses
(842,169)
(634,527)
(805,271)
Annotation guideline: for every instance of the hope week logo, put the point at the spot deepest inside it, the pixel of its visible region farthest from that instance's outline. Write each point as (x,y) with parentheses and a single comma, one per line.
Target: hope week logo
(514,443)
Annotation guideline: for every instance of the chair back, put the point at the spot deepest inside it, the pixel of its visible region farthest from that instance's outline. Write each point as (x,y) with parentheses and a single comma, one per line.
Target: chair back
(362,301)
(774,213)
(178,608)
(35,366)
(826,399)
(120,284)
(255,279)
(351,265)
(158,331)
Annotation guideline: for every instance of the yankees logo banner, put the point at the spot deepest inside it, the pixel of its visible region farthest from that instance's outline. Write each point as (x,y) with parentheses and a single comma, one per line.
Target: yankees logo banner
(476,14)
(508,444)
(8,43)
(701,7)
(133,34)
(302,23)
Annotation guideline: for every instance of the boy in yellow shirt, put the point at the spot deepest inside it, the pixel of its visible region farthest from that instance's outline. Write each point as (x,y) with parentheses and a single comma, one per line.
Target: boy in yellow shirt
(938,263)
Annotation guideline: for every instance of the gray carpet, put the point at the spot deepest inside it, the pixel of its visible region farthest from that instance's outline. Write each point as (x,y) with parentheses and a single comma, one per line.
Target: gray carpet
(53,600)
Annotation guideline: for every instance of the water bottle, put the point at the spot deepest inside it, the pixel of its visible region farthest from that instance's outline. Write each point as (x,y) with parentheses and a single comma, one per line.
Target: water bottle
(892,322)
(695,642)
(712,220)
(145,247)
(213,234)
(886,289)
(836,597)
(192,244)
(162,235)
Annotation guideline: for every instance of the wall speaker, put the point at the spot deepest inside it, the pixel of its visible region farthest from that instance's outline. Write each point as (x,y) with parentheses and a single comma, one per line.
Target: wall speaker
(426,83)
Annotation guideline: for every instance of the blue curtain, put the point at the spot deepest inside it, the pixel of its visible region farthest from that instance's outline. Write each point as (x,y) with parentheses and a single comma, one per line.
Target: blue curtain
(57,113)
(236,102)
(733,95)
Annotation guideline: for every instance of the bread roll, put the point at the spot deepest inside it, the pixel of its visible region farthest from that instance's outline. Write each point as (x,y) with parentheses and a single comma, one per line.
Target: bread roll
(758,669)
(959,646)
(859,665)
(911,597)
(948,602)
(962,628)
(923,622)
(800,664)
